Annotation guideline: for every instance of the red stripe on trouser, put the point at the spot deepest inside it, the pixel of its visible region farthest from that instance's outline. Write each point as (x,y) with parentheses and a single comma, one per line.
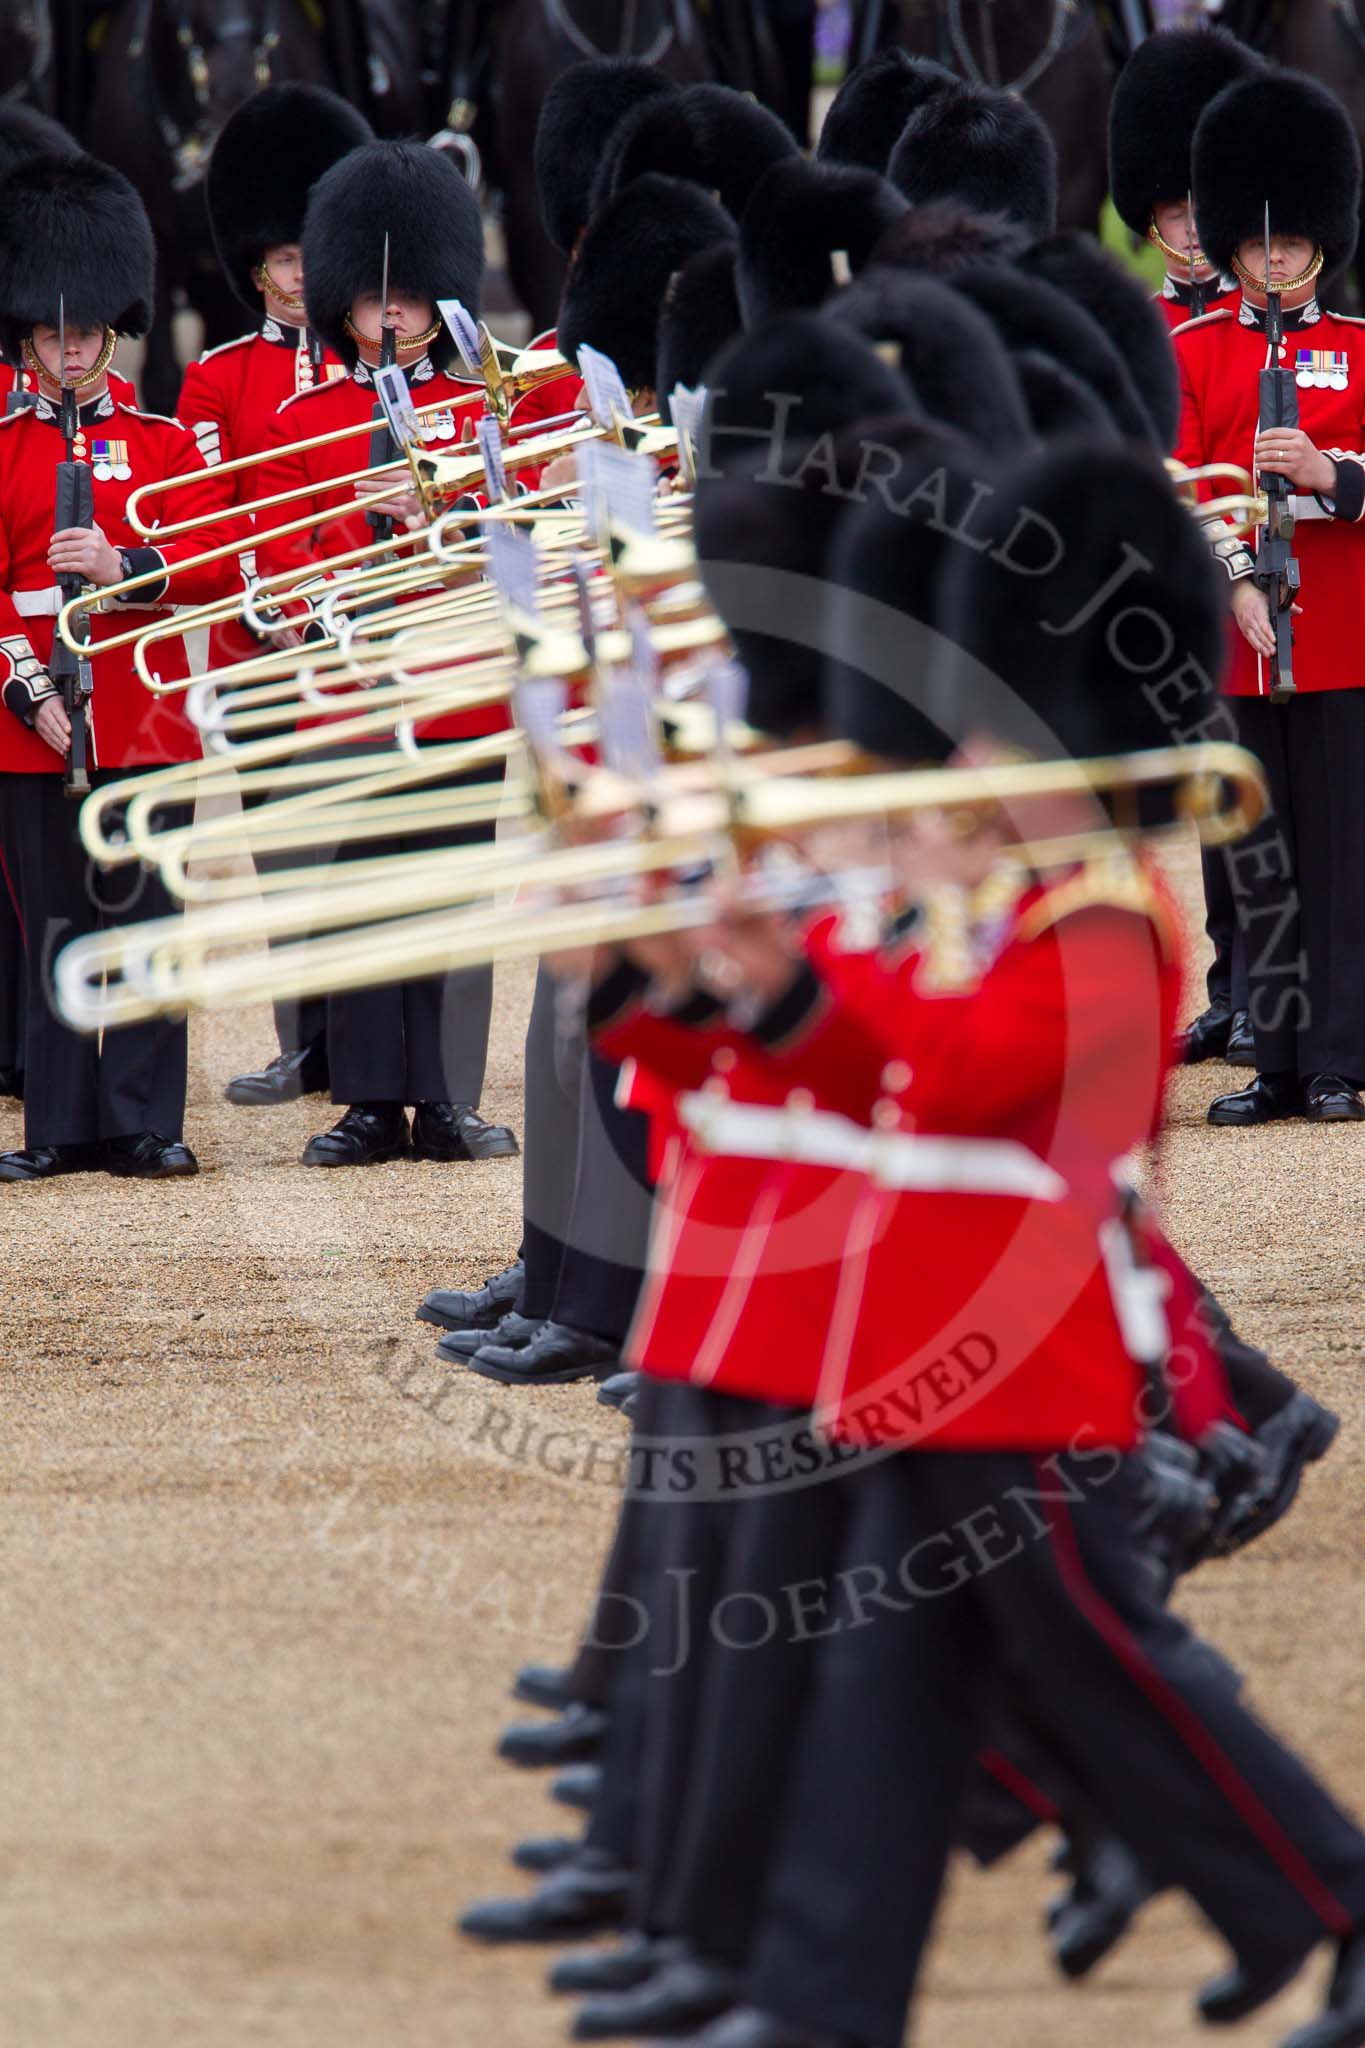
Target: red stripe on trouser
(1291,1862)
(1023,1789)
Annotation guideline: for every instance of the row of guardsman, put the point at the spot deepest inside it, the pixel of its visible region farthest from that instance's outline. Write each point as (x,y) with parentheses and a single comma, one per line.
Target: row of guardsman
(876,584)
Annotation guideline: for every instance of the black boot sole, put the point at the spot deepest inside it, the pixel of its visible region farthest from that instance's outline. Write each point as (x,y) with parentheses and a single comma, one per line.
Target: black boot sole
(384,1157)
(558,1376)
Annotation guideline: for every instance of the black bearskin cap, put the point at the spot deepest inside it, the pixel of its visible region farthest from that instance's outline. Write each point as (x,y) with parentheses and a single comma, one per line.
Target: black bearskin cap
(987,148)
(800,213)
(577,116)
(72,229)
(700,316)
(1059,404)
(1120,304)
(268,156)
(620,277)
(874,103)
(1161,92)
(1029,313)
(950,352)
(709,134)
(24,132)
(884,567)
(947,236)
(1016,663)
(1282,138)
(417,198)
(765,503)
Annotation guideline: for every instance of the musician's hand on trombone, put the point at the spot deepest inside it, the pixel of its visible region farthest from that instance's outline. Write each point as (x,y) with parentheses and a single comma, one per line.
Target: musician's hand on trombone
(53,726)
(746,951)
(402,505)
(83,551)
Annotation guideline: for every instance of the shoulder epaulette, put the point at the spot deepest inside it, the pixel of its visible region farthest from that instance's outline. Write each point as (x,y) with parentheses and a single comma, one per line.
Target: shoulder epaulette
(162,419)
(1111,882)
(238,341)
(17,414)
(1204,320)
(1350,319)
(313,391)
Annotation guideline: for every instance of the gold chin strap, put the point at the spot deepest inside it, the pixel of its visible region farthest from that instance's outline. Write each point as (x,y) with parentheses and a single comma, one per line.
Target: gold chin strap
(264,282)
(1182,257)
(34,363)
(1289,284)
(407,344)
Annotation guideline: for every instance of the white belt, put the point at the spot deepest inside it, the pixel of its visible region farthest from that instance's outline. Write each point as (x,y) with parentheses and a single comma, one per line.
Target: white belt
(894,1159)
(1307,508)
(37,604)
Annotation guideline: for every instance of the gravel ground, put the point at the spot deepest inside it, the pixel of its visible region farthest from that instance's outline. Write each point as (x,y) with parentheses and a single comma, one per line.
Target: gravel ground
(267,1575)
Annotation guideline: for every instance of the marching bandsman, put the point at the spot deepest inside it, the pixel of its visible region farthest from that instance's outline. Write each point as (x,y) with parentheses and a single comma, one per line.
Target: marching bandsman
(1161,93)
(419,1045)
(265,162)
(76,254)
(1283,142)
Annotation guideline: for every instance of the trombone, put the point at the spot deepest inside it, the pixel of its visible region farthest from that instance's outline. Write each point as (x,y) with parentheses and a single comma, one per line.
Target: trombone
(411,928)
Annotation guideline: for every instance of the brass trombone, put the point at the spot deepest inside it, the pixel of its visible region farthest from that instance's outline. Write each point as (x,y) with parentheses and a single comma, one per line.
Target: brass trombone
(170,965)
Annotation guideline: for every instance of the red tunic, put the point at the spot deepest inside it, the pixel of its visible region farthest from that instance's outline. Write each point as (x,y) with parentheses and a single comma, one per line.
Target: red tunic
(1220,361)
(347,402)
(130,727)
(120,389)
(229,399)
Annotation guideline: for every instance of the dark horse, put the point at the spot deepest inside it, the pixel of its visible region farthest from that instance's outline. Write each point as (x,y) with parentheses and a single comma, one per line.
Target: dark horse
(536,40)
(1053,52)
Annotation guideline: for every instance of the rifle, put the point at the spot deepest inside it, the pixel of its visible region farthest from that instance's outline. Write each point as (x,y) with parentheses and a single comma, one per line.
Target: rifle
(75,506)
(1277,571)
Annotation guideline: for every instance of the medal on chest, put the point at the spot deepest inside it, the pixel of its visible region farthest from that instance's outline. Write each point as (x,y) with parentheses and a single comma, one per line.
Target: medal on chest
(109,460)
(440,426)
(1322,369)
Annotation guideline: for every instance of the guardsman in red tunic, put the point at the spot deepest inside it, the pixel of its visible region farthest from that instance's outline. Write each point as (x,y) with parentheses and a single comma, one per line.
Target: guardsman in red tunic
(417,1044)
(120,1104)
(1285,142)
(1158,99)
(266,159)
(1002,1535)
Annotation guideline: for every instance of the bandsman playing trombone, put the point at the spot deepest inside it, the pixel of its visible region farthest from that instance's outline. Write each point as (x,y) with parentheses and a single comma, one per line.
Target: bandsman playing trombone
(76,264)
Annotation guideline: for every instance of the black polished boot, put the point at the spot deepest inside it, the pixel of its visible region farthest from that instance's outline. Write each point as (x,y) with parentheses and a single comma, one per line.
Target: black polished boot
(1241,1046)
(1342,2023)
(511,1333)
(451,1308)
(555,1356)
(288,1076)
(586,1896)
(543,1685)
(1207,1037)
(635,1959)
(148,1156)
(367,1135)
(616,1391)
(1295,1436)
(1269,1099)
(746,2027)
(1094,1916)
(579,1786)
(682,1995)
(45,1162)
(453,1131)
(575,1737)
(1328,1099)
(544,1853)
(1245,1988)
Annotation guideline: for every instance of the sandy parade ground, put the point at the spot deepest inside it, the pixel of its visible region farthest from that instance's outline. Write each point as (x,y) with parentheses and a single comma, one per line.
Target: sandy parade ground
(268,1572)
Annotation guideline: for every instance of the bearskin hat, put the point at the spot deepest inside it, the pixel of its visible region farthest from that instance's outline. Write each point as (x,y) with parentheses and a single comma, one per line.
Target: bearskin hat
(884,566)
(985,147)
(947,236)
(1161,92)
(1029,313)
(800,213)
(577,116)
(268,156)
(73,232)
(417,198)
(626,261)
(709,134)
(1059,404)
(1284,140)
(1117,302)
(763,500)
(949,352)
(1031,656)
(874,103)
(700,316)
(24,132)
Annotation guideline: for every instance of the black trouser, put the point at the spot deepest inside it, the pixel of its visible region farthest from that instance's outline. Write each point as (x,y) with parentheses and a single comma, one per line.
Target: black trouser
(1006,1562)
(80,1088)
(1227,974)
(585,1192)
(426,1039)
(1298,884)
(11,976)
